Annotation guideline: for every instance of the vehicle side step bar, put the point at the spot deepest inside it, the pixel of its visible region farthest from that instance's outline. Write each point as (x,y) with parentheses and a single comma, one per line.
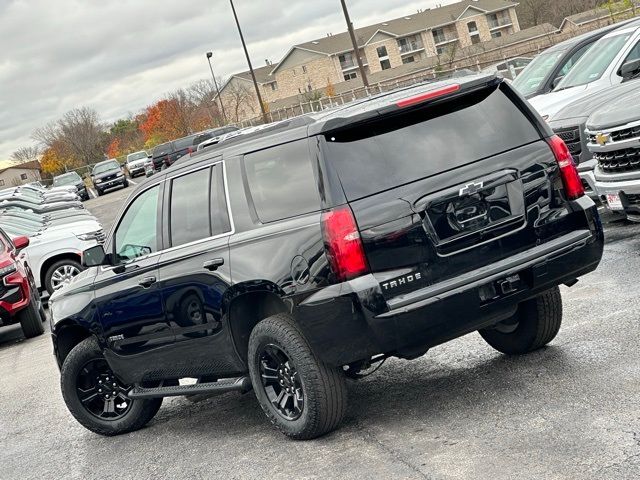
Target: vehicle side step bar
(242,384)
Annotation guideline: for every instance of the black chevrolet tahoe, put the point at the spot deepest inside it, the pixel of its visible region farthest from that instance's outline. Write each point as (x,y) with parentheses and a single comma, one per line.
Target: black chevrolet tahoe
(288,260)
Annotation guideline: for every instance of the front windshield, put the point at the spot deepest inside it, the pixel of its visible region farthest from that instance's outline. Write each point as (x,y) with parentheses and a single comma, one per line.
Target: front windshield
(136,156)
(530,78)
(593,63)
(105,167)
(66,179)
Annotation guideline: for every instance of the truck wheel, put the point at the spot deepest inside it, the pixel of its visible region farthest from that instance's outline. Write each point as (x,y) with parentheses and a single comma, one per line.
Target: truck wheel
(534,325)
(97,398)
(61,273)
(300,395)
(30,320)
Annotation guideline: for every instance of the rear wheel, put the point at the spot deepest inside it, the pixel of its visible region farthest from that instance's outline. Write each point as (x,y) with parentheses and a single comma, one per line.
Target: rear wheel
(97,398)
(534,325)
(300,395)
(30,320)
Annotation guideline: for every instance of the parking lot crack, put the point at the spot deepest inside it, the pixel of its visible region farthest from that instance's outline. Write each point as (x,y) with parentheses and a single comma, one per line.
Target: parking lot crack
(367,434)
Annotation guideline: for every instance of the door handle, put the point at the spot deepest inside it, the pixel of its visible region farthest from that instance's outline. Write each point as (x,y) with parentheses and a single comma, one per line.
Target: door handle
(147,282)
(212,265)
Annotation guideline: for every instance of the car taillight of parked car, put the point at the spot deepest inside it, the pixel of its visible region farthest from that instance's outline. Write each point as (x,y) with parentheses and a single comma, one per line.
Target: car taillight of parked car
(343,244)
(570,178)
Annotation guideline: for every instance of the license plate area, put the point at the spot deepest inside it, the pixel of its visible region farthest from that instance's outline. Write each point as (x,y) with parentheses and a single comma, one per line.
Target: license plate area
(614,201)
(474,213)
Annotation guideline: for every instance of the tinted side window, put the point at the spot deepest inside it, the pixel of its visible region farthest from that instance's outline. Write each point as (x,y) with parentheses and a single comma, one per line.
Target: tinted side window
(189,208)
(137,233)
(281,181)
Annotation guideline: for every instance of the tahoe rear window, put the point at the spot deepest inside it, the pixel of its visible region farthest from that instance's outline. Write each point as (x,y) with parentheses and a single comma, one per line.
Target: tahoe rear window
(281,181)
(393,151)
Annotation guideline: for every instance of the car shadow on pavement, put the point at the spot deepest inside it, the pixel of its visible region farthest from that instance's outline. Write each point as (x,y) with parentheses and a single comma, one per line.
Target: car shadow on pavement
(415,392)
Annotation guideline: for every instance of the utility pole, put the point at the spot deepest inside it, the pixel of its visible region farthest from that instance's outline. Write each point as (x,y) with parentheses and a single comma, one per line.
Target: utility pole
(356,51)
(253,75)
(215,82)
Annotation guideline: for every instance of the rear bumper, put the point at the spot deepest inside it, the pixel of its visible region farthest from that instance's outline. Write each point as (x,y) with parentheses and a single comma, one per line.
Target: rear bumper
(352,321)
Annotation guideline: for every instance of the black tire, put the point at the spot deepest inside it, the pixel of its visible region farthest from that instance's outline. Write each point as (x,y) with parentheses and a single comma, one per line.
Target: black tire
(99,192)
(534,325)
(125,184)
(49,274)
(140,411)
(30,320)
(323,387)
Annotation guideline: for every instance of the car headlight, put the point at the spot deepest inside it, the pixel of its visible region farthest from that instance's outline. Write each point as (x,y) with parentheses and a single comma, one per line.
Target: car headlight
(120,175)
(97,180)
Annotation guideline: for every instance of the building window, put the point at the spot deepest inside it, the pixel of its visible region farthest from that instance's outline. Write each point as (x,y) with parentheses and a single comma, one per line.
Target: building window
(410,44)
(309,88)
(274,86)
(439,36)
(439,50)
(497,34)
(382,52)
(473,27)
(346,61)
(350,76)
(304,69)
(410,59)
(23,176)
(475,39)
(1,183)
(385,64)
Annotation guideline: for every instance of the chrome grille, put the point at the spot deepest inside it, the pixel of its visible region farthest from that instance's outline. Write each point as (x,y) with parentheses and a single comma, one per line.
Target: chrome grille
(571,136)
(627,160)
(620,135)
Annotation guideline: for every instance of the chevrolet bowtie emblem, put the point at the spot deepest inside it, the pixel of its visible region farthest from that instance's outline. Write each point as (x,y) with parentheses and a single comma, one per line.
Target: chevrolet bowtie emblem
(602,138)
(471,189)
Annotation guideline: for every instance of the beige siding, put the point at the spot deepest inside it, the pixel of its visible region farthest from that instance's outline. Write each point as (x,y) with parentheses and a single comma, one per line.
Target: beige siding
(320,69)
(12,177)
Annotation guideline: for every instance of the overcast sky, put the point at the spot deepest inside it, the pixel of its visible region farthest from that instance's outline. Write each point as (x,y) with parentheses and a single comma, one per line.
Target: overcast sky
(118,56)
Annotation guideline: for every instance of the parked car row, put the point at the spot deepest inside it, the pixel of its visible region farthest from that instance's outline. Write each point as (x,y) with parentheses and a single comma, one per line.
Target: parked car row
(593,107)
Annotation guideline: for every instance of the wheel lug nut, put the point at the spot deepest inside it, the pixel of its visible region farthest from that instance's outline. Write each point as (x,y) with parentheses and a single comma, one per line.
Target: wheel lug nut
(99,390)
(100,381)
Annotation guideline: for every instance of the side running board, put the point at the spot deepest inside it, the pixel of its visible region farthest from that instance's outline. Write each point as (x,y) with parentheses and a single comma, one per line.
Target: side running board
(242,384)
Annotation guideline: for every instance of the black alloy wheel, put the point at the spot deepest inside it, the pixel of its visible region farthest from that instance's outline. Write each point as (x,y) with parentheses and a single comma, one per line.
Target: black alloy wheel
(281,382)
(100,392)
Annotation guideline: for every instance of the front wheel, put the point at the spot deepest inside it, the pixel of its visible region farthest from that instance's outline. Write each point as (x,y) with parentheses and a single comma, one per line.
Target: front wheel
(534,325)
(301,396)
(61,273)
(97,398)
(30,320)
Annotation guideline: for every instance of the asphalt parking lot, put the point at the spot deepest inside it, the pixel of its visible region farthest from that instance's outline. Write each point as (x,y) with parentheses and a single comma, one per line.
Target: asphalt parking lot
(462,411)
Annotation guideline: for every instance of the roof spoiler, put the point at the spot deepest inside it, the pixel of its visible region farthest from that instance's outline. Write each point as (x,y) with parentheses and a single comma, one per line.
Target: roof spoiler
(413,98)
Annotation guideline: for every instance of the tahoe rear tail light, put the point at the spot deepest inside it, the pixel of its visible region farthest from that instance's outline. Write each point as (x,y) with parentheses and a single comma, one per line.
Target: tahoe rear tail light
(570,178)
(343,244)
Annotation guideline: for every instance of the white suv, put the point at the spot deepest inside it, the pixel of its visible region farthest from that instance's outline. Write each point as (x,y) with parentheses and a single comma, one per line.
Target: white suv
(599,68)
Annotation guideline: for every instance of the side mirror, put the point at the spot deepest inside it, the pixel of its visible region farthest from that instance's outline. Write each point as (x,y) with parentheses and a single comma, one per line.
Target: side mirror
(630,69)
(94,257)
(21,242)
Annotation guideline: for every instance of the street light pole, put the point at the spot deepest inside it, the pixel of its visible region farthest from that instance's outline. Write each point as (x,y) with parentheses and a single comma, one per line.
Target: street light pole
(215,82)
(352,34)
(253,75)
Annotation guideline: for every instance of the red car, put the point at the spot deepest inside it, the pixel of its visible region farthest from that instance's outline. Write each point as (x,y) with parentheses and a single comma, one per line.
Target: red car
(19,299)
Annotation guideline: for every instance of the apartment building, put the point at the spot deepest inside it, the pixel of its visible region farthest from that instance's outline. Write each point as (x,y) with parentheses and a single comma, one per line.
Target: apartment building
(436,33)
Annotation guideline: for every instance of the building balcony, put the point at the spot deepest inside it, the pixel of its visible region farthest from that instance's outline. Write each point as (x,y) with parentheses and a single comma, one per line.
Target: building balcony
(443,40)
(352,65)
(502,23)
(410,47)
